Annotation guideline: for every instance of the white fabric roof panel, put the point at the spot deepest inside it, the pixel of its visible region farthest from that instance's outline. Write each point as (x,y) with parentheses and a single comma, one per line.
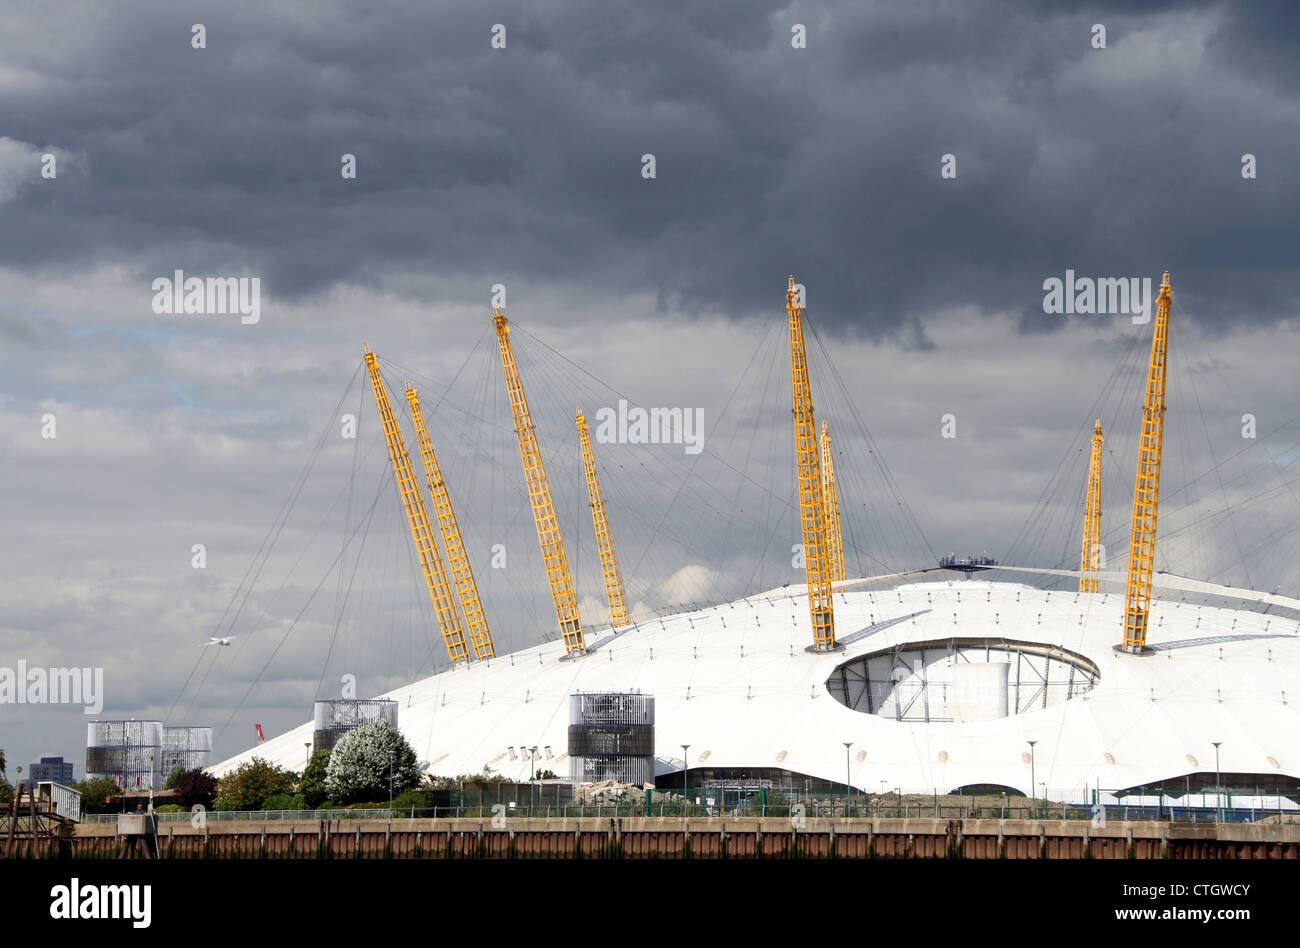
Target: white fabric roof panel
(734,680)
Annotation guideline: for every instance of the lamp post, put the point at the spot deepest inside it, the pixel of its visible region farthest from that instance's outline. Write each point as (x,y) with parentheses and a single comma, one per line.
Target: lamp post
(685,768)
(532,779)
(848,789)
(1218,785)
(390,783)
(1032,785)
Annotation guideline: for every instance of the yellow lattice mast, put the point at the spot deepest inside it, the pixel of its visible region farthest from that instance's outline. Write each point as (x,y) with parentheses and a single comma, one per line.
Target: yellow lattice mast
(834,542)
(1146,487)
(1090,556)
(480,639)
(812,516)
(426,549)
(539,493)
(604,542)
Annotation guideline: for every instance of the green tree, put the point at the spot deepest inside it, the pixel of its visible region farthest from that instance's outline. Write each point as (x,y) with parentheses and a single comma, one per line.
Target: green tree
(312,784)
(194,786)
(99,795)
(358,769)
(248,785)
(284,801)
(6,792)
(171,778)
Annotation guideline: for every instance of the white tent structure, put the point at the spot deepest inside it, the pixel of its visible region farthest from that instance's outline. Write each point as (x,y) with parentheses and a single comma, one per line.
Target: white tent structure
(938,686)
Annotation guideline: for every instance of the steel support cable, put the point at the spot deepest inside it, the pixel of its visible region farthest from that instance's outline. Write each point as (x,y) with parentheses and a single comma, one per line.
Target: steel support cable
(705,451)
(908,522)
(1188,511)
(904,508)
(272,535)
(1117,371)
(767,529)
(356,564)
(347,519)
(465,523)
(369,511)
(1223,491)
(691,492)
(309,545)
(1044,524)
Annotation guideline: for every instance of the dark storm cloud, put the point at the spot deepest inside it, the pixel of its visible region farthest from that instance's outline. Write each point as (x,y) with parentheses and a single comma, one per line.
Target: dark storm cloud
(480,165)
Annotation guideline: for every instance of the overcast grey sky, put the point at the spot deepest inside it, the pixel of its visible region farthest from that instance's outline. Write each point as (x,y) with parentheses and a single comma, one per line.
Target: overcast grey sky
(523,166)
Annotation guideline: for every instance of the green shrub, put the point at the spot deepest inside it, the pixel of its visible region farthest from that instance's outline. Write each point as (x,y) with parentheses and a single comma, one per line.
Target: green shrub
(420,798)
(312,784)
(100,795)
(285,801)
(248,786)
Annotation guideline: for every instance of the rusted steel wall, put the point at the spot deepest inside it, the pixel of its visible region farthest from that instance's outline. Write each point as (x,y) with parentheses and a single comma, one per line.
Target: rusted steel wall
(893,839)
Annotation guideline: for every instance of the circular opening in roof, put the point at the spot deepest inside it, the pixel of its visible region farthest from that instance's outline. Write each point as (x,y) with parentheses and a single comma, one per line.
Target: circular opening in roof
(961,679)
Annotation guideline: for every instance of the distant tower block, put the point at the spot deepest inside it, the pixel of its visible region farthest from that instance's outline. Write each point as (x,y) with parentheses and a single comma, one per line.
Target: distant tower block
(612,737)
(335,718)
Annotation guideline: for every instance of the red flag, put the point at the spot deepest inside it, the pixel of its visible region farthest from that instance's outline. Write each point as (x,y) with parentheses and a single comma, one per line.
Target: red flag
(260,738)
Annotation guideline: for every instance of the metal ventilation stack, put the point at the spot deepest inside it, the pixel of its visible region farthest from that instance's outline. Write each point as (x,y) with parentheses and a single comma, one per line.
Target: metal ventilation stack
(185,746)
(335,718)
(127,752)
(612,737)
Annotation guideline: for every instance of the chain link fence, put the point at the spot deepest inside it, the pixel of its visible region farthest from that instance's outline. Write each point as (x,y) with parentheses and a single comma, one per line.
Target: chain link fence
(1095,806)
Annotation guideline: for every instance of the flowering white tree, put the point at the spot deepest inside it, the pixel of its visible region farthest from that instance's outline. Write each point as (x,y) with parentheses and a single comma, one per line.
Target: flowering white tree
(359,766)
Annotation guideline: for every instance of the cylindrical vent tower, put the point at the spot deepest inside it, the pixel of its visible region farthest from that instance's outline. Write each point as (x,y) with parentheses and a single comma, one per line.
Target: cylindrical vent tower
(612,737)
(335,718)
(185,746)
(127,752)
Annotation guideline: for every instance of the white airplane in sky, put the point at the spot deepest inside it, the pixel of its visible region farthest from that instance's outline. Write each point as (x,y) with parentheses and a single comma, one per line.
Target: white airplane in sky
(219,640)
